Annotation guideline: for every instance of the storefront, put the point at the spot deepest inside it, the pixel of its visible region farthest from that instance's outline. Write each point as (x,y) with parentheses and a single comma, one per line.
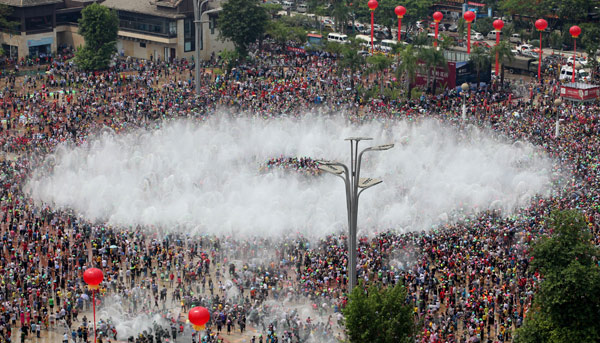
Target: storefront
(40,47)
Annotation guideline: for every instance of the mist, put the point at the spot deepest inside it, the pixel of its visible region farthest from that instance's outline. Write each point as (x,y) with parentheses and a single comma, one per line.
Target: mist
(205,177)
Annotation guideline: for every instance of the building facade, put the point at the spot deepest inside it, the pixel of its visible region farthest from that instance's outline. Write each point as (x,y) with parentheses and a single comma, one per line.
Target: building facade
(163,29)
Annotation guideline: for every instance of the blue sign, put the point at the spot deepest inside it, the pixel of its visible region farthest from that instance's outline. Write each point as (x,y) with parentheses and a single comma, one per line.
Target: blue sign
(38,42)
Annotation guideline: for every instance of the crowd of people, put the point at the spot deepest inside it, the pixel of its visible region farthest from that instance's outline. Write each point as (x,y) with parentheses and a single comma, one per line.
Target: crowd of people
(468,281)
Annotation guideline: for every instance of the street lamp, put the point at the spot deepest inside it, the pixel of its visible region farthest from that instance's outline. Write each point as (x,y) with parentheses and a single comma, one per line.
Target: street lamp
(198,11)
(465,89)
(557,104)
(353,183)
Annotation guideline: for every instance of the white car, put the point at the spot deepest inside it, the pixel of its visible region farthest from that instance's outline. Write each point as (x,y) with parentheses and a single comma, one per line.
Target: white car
(525,49)
(477,36)
(580,60)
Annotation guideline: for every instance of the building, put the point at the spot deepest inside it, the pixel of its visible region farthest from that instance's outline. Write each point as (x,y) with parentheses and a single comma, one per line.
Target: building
(165,29)
(42,26)
(149,29)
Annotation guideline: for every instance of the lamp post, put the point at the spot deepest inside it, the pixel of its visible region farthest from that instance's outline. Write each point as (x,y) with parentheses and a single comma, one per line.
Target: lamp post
(575,31)
(469,17)
(353,182)
(372,6)
(498,25)
(198,10)
(400,12)
(557,104)
(465,89)
(437,17)
(541,25)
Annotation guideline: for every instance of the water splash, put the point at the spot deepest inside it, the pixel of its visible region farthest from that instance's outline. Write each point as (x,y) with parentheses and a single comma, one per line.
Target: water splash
(204,177)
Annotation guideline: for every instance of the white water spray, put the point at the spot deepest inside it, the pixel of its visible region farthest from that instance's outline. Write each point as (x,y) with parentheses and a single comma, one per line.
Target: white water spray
(204,177)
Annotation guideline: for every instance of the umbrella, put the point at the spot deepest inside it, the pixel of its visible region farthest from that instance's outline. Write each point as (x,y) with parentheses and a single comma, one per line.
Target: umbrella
(113,246)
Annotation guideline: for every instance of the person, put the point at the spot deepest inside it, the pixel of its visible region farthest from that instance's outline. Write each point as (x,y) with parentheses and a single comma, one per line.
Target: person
(66,338)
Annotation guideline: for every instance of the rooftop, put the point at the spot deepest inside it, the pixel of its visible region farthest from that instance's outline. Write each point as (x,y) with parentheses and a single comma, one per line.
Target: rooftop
(155,8)
(29,3)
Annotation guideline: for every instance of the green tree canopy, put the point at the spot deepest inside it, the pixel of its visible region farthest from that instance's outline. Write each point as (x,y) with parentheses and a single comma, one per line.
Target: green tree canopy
(98,26)
(379,315)
(243,22)
(567,305)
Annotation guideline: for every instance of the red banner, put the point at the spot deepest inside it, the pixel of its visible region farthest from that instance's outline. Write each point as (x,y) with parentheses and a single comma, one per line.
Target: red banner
(300,50)
(580,94)
(445,78)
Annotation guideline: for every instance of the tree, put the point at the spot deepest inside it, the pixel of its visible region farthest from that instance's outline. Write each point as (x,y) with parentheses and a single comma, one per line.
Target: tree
(350,59)
(408,66)
(566,307)
(480,59)
(283,33)
(272,9)
(483,25)
(5,12)
(378,64)
(98,26)
(242,22)
(504,55)
(433,59)
(379,315)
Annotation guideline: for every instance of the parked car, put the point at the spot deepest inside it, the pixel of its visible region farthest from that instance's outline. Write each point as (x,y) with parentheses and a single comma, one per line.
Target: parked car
(492,35)
(525,49)
(581,60)
(515,38)
(453,28)
(477,36)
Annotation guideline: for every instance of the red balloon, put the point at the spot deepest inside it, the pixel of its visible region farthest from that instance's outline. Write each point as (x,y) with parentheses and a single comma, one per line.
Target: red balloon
(469,16)
(438,16)
(541,24)
(400,11)
(498,24)
(372,4)
(93,277)
(198,316)
(575,31)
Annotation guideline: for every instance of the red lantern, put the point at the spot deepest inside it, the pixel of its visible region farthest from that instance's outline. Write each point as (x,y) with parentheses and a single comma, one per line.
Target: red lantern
(575,31)
(400,11)
(541,24)
(93,277)
(198,316)
(469,16)
(372,4)
(437,17)
(498,24)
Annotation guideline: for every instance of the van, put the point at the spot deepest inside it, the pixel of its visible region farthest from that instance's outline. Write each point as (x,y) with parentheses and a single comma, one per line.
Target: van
(302,8)
(286,5)
(515,38)
(337,37)
(492,35)
(387,45)
(566,73)
(364,40)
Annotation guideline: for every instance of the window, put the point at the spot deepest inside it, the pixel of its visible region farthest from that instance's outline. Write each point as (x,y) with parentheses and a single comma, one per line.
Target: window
(213,24)
(189,35)
(148,24)
(142,44)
